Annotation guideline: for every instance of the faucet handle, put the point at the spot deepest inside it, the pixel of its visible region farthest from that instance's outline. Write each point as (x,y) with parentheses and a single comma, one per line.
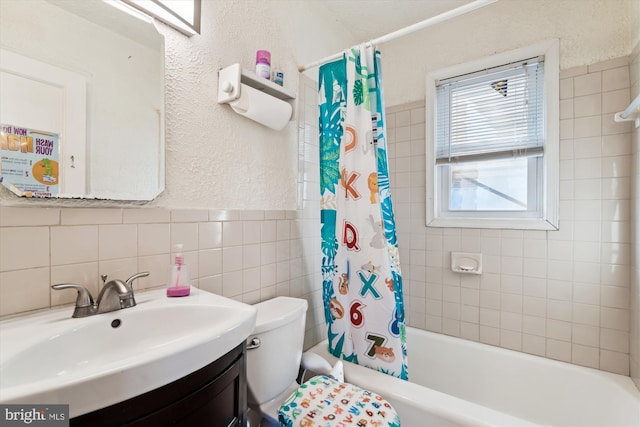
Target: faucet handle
(84,301)
(84,296)
(130,280)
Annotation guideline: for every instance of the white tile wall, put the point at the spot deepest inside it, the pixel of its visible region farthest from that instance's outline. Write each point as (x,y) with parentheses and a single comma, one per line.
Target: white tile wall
(560,294)
(306,236)
(248,256)
(617,317)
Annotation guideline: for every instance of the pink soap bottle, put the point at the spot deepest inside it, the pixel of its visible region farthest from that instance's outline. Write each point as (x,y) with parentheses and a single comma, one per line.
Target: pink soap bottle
(178,285)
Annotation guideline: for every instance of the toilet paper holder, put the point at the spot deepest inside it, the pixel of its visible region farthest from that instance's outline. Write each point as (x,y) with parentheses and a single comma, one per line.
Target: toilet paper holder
(229,84)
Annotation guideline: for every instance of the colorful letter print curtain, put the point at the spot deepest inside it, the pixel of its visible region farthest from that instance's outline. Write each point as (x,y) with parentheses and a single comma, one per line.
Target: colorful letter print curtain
(362,283)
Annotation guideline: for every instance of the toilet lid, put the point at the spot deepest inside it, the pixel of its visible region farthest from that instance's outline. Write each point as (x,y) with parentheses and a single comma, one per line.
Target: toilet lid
(323,399)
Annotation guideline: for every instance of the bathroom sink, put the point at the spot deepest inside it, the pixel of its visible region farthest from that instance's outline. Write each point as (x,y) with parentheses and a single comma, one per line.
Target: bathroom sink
(94,362)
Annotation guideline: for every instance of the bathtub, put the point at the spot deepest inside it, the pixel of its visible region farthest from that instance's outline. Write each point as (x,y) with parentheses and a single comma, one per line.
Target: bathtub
(455,382)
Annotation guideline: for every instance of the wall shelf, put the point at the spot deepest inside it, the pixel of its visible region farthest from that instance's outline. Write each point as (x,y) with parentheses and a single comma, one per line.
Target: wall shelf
(230,78)
(267,86)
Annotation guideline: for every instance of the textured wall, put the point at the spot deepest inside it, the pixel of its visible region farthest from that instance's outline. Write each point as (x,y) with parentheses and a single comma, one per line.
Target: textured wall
(590,31)
(216,158)
(634,12)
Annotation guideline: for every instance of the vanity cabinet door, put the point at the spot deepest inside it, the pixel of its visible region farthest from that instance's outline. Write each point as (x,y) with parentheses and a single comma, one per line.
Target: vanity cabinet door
(217,404)
(213,396)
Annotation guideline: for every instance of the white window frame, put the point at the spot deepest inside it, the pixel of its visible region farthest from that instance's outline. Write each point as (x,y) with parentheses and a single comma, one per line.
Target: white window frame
(548,220)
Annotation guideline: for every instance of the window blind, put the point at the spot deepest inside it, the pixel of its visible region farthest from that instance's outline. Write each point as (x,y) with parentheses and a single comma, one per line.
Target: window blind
(491,114)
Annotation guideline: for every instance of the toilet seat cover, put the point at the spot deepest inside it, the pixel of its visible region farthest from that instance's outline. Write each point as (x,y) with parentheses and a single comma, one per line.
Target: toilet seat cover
(323,401)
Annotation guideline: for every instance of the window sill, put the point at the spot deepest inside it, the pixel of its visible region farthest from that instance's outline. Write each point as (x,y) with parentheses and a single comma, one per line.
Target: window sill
(502,223)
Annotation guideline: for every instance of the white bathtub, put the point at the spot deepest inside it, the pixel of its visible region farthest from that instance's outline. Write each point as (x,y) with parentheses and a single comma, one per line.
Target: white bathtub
(455,382)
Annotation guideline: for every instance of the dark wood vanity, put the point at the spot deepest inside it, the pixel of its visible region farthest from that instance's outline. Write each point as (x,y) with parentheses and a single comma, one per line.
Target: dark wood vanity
(213,396)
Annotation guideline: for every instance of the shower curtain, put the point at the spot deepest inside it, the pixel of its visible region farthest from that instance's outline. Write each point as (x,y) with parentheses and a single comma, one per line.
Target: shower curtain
(362,283)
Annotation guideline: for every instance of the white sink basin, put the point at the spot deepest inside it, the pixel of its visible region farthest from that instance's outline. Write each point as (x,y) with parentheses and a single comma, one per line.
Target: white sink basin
(96,361)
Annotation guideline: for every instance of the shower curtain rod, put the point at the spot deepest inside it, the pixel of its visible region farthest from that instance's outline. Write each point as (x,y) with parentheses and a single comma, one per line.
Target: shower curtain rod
(469,7)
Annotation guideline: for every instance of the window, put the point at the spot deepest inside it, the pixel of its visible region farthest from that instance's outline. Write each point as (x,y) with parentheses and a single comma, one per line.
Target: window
(492,135)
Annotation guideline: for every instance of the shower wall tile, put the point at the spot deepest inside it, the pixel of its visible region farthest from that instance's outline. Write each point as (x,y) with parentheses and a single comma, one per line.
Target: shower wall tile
(77,216)
(18,217)
(224,215)
(210,235)
(146,216)
(566,89)
(560,294)
(157,266)
(189,215)
(587,83)
(585,356)
(533,344)
(185,234)
(117,241)
(24,247)
(154,239)
(73,244)
(86,273)
(24,290)
(126,267)
(232,233)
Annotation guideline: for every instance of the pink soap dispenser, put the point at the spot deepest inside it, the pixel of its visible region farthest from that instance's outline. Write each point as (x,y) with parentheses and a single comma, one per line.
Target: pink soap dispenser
(178,285)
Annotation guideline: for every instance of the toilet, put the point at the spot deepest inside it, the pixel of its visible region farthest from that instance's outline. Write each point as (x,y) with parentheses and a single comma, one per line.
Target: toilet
(274,354)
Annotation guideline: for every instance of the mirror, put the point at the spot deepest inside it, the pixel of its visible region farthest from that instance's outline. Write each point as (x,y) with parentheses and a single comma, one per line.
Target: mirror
(82,91)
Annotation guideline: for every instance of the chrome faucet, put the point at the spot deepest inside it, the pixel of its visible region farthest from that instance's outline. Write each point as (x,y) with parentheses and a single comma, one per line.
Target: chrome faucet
(115,295)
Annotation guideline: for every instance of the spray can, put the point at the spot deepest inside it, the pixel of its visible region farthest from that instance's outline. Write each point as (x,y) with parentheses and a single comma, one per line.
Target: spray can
(263,64)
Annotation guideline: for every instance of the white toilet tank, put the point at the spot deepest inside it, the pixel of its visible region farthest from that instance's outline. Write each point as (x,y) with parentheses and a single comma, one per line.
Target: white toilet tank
(272,367)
